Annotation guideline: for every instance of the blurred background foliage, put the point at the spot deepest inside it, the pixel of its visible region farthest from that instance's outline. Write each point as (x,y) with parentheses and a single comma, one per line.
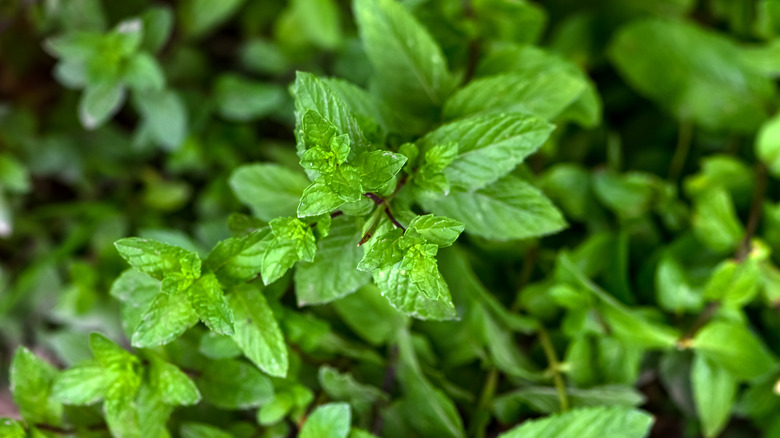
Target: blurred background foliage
(127,118)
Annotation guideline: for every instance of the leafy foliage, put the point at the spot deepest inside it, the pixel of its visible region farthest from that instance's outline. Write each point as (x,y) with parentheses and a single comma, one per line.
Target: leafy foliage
(381,218)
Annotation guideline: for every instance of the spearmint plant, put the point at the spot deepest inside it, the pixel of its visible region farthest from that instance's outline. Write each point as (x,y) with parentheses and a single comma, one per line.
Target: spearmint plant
(389,218)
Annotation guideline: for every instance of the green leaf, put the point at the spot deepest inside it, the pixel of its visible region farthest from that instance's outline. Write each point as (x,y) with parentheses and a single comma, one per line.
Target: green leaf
(344,387)
(312,94)
(410,69)
(427,408)
(198,430)
(378,167)
(507,209)
(292,240)
(768,144)
(31,382)
(733,347)
(673,288)
(201,16)
(152,413)
(143,73)
(543,95)
(370,315)
(333,272)
(270,190)
(257,332)
(422,295)
(12,428)
(330,420)
(172,385)
(696,62)
(508,407)
(231,384)
(384,251)
(205,296)
(714,390)
(594,422)
(158,24)
(440,231)
(238,259)
(167,317)
(319,21)
(733,283)
(158,259)
(165,116)
(82,384)
(109,354)
(216,346)
(715,222)
(122,417)
(241,100)
(489,146)
(317,199)
(99,103)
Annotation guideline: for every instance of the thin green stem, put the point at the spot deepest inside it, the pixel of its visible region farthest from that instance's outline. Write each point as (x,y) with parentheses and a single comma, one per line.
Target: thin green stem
(555,366)
(482,415)
(684,137)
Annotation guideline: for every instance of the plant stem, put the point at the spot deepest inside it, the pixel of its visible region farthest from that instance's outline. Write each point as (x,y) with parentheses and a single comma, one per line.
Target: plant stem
(555,366)
(482,415)
(387,386)
(684,137)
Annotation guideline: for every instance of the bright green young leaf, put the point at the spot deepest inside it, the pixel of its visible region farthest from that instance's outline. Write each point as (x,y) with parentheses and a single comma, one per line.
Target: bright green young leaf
(318,199)
(384,251)
(152,413)
(238,259)
(415,287)
(409,67)
(673,288)
(594,422)
(31,383)
(167,317)
(489,146)
(440,231)
(330,420)
(172,385)
(715,222)
(232,384)
(505,210)
(99,103)
(292,241)
(543,95)
(206,298)
(82,384)
(270,190)
(122,417)
(12,428)
(768,144)
(257,332)
(733,283)
(333,272)
(108,353)
(319,20)
(158,259)
(312,94)
(735,348)
(378,167)
(714,390)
